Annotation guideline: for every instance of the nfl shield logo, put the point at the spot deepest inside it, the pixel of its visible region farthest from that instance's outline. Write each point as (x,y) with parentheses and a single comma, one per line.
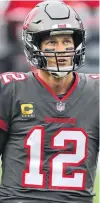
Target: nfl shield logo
(60,106)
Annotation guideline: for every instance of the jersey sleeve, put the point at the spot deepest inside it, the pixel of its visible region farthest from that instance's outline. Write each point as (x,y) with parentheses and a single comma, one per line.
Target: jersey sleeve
(5,104)
(5,112)
(94,86)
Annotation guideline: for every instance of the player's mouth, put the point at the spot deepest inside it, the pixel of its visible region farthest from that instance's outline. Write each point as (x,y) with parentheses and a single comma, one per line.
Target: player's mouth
(61,61)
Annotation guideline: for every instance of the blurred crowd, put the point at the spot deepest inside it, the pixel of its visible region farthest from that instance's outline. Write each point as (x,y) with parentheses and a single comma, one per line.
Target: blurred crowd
(12,14)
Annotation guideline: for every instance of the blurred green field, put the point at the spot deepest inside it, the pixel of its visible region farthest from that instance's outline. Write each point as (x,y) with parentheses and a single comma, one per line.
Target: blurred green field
(96,199)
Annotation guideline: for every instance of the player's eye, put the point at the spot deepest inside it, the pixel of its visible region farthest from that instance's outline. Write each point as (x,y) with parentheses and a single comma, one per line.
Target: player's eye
(51,42)
(67,41)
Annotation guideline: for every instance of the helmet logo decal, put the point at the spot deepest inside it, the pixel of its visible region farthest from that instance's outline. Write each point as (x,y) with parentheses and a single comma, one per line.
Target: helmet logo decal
(61,26)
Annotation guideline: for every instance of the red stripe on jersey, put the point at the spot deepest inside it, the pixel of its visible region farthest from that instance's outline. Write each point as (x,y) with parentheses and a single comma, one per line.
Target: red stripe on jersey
(71,90)
(3,125)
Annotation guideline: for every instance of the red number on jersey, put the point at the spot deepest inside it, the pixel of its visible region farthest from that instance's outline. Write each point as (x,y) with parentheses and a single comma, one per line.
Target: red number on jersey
(9,76)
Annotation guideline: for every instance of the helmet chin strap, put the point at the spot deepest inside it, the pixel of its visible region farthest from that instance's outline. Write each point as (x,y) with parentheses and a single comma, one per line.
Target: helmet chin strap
(63,71)
(59,74)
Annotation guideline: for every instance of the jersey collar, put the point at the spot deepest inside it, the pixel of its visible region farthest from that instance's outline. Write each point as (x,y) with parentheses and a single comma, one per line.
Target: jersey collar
(67,95)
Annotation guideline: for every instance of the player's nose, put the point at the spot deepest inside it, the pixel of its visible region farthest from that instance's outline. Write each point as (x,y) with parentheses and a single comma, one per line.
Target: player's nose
(60,47)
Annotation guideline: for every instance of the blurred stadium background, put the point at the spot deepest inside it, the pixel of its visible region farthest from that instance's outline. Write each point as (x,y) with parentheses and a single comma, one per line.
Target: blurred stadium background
(12,14)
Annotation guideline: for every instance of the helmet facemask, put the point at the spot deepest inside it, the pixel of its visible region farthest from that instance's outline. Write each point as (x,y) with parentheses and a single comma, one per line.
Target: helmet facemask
(39,58)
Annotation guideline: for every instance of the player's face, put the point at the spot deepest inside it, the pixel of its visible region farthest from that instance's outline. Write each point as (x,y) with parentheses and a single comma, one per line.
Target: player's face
(58,43)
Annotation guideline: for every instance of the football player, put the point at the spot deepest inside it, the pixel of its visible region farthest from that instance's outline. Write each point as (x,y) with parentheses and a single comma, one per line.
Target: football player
(49,119)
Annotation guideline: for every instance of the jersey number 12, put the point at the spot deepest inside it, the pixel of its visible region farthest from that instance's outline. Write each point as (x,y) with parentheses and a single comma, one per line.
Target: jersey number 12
(35,177)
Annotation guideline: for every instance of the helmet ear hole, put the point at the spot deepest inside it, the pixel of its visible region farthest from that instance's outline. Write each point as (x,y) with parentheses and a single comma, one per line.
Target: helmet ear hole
(76,60)
(79,57)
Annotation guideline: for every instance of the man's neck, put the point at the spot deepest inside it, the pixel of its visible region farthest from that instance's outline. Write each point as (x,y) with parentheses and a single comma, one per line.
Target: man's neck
(58,85)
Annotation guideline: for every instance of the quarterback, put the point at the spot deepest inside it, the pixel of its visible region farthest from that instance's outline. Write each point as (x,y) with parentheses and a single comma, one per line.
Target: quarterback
(49,119)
